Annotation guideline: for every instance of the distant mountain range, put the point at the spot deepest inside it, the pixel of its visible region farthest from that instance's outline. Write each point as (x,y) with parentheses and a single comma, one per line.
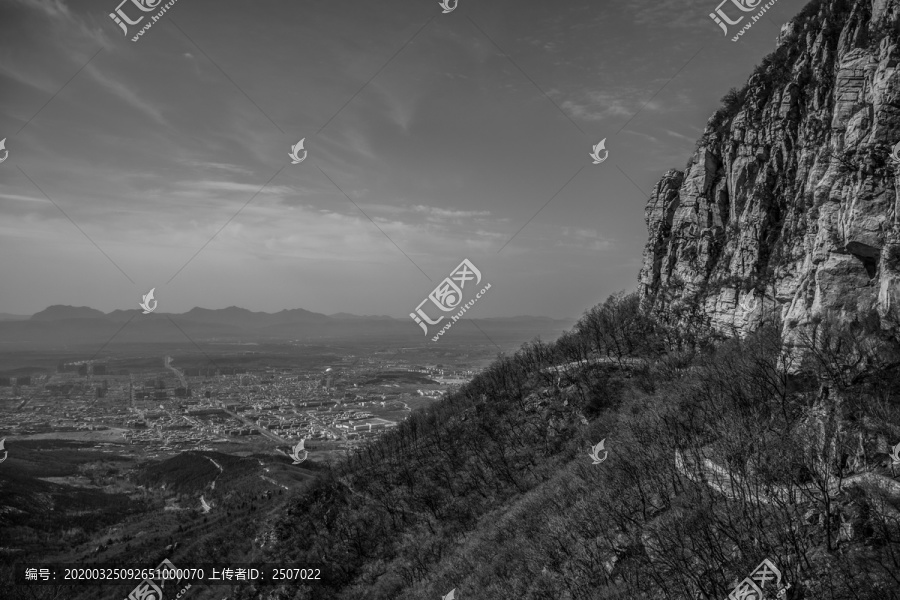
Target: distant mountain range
(61,325)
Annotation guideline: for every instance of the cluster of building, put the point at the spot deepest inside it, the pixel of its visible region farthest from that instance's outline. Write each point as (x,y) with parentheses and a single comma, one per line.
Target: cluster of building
(174,409)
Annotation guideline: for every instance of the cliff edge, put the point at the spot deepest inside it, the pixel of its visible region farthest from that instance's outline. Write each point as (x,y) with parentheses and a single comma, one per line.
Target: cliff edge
(789,205)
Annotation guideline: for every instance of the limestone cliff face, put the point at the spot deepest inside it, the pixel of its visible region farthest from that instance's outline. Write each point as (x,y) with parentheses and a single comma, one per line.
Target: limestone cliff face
(789,206)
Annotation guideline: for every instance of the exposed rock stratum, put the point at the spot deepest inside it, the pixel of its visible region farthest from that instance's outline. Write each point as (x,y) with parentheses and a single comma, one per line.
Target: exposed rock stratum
(789,205)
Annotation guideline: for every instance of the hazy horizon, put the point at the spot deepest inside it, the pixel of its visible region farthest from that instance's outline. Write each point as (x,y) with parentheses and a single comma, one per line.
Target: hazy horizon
(403,317)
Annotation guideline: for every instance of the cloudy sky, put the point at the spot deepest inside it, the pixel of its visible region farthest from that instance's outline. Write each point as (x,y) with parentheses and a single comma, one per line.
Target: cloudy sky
(431,138)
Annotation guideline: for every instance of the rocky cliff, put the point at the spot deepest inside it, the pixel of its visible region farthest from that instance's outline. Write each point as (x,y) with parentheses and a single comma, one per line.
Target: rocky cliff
(789,205)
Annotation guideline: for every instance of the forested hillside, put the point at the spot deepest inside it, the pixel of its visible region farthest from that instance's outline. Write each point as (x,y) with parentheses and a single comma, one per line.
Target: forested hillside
(721,453)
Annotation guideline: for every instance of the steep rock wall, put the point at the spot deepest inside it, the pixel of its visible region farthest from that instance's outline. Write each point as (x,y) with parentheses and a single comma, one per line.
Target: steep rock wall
(789,205)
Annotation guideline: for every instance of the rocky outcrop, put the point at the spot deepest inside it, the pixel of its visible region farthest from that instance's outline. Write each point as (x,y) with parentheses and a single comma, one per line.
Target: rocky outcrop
(789,205)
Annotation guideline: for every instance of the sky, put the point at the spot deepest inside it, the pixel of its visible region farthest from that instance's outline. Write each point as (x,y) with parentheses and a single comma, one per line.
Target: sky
(430,138)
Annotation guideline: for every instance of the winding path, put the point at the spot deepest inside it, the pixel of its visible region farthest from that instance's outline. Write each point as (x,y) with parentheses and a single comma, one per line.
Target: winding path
(734,486)
(218,466)
(625,361)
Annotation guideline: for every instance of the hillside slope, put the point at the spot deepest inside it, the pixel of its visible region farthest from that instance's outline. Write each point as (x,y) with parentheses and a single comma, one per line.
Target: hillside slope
(716,461)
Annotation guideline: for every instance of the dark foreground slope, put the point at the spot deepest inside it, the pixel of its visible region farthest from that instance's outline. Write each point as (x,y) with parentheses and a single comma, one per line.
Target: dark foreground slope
(65,503)
(717,460)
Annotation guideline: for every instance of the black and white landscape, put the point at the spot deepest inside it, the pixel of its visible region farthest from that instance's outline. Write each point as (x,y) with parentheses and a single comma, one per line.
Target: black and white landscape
(450,300)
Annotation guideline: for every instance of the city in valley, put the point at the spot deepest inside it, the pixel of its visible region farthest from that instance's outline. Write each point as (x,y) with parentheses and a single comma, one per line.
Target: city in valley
(123,450)
(155,407)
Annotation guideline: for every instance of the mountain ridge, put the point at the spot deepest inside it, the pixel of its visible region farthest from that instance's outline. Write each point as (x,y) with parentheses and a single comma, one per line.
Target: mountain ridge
(56,312)
(66,325)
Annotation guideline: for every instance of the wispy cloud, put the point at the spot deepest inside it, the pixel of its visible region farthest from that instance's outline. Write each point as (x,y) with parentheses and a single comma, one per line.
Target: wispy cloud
(123,92)
(443,213)
(586,239)
(359,142)
(20,198)
(400,103)
(680,136)
(67,22)
(55,9)
(596,105)
(212,185)
(199,164)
